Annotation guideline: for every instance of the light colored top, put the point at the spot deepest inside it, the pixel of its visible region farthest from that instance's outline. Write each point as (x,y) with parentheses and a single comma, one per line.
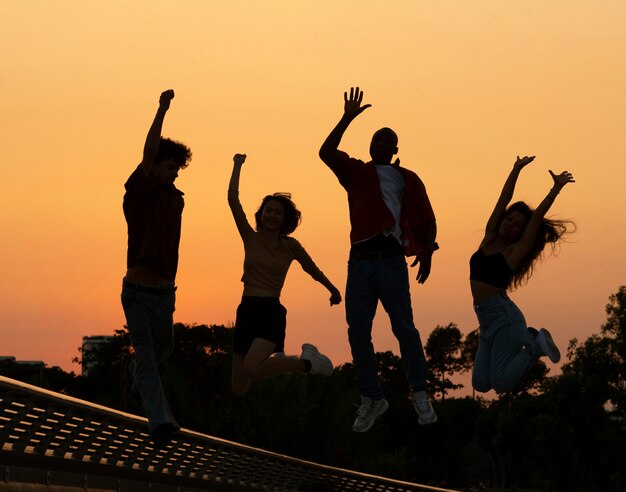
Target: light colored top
(392,187)
(266,262)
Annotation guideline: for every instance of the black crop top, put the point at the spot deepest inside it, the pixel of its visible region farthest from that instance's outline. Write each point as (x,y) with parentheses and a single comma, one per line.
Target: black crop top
(491,269)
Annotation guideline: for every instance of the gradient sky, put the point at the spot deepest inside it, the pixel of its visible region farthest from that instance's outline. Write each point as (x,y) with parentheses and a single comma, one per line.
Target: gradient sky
(466,85)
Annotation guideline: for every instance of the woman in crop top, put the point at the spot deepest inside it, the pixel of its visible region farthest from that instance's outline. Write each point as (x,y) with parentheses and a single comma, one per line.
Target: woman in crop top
(515,238)
(261,319)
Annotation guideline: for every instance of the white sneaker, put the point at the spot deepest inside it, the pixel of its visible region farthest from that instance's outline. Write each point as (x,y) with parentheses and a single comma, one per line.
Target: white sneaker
(425,411)
(368,412)
(320,364)
(547,345)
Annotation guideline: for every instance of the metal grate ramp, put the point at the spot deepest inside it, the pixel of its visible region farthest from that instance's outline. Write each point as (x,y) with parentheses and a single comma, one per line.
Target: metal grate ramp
(47,437)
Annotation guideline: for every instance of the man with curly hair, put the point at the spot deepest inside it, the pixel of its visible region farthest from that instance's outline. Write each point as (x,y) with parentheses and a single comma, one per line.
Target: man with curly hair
(153,209)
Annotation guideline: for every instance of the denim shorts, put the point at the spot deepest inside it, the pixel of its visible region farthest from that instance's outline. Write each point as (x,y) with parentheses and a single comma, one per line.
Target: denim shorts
(260,317)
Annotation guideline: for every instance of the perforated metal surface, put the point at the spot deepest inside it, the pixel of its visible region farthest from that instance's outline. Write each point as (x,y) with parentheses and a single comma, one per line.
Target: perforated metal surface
(59,432)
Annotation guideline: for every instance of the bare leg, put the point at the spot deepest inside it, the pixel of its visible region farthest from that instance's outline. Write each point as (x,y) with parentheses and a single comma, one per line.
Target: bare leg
(259,365)
(240,383)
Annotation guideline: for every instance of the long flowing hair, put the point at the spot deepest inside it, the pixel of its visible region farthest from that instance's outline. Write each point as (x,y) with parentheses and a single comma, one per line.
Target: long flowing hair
(551,231)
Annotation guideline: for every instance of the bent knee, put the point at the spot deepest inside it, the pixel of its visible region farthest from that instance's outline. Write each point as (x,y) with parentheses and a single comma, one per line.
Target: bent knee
(503,386)
(240,385)
(481,388)
(252,372)
(481,385)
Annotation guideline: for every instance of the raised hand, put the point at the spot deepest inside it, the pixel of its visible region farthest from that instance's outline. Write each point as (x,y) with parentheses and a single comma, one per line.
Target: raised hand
(239,159)
(151,147)
(523,161)
(560,180)
(166,98)
(352,105)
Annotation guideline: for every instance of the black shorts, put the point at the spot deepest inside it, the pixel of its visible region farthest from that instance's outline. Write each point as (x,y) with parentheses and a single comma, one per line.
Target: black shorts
(259,317)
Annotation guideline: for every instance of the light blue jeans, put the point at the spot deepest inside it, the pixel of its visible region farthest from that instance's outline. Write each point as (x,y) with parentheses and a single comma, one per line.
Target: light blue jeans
(149,318)
(506,348)
(386,280)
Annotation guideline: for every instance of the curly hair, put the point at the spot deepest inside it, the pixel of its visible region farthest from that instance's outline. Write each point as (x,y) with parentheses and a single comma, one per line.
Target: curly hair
(292,217)
(171,149)
(551,231)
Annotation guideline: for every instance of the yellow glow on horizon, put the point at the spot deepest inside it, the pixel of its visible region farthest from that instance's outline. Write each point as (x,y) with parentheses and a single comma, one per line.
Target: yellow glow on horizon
(467,87)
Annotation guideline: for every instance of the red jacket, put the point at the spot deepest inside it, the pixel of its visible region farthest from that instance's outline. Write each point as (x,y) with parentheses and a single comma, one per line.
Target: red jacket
(369,214)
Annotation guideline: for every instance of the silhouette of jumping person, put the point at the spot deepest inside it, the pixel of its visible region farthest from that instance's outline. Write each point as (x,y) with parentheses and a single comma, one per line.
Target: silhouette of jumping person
(261,319)
(514,240)
(153,209)
(390,217)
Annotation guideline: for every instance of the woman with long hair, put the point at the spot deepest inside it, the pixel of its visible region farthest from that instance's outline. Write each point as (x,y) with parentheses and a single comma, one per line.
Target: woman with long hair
(514,240)
(261,319)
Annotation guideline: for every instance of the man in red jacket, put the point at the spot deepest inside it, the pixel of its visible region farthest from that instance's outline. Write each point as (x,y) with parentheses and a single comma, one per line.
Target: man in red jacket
(390,217)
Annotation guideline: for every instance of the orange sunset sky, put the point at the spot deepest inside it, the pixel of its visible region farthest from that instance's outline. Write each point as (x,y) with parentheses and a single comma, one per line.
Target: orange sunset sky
(466,85)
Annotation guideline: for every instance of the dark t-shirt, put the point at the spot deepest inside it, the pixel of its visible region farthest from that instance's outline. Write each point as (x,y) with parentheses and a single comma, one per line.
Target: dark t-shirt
(153,212)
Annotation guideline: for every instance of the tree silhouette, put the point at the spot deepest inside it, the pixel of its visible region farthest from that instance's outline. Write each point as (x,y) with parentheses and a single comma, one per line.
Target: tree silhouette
(469,347)
(615,330)
(443,351)
(560,433)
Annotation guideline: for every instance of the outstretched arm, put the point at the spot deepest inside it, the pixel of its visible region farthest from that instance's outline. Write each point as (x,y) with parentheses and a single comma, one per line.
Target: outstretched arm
(153,139)
(309,266)
(506,194)
(351,109)
(241,221)
(335,295)
(522,247)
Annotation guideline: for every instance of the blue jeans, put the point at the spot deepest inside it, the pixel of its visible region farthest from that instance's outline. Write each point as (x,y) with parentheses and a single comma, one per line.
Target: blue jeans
(506,348)
(149,318)
(386,280)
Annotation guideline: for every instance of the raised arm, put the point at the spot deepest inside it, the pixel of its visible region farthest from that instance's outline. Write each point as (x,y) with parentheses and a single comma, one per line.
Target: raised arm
(241,221)
(153,138)
(506,194)
(351,109)
(523,247)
